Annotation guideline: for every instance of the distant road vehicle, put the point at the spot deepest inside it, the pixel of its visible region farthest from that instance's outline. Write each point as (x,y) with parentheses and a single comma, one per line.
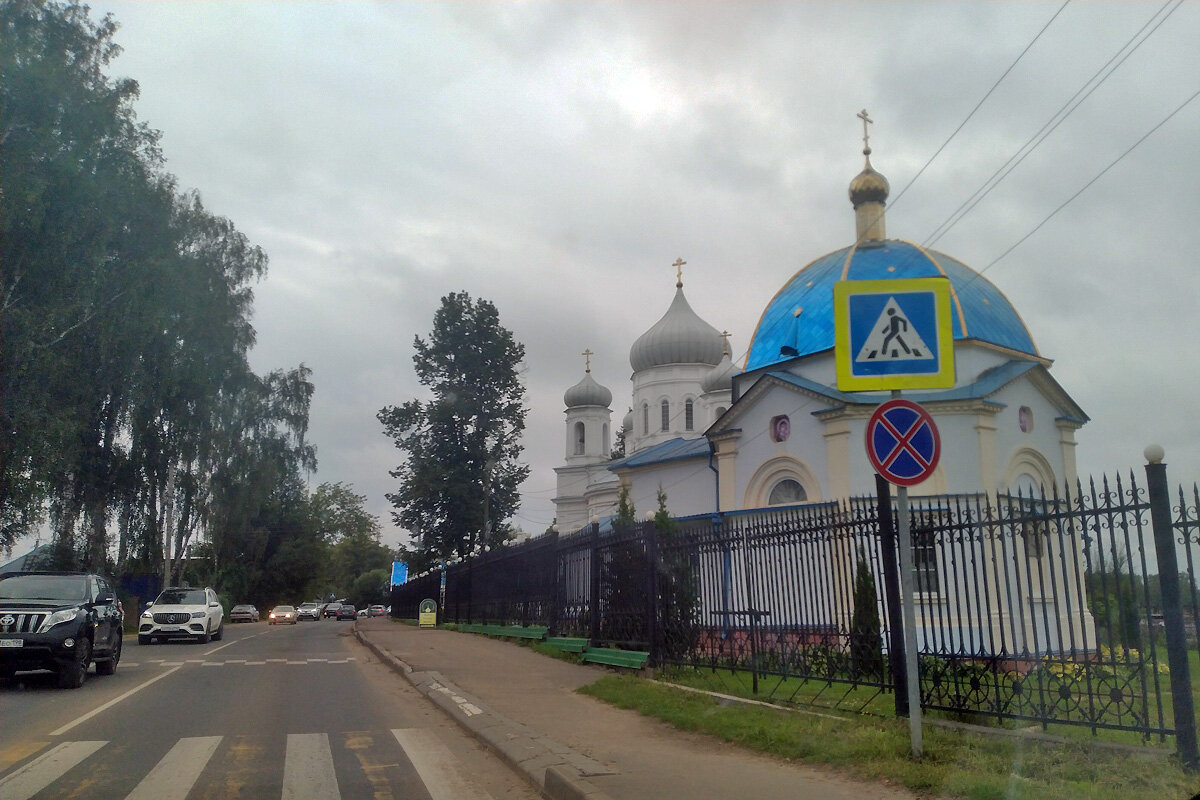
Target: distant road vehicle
(243,613)
(346,611)
(60,621)
(331,610)
(283,615)
(376,611)
(309,611)
(183,612)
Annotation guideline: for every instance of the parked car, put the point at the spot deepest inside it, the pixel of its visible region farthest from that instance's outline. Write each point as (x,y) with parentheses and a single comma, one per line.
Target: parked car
(331,610)
(282,615)
(183,612)
(309,611)
(376,611)
(243,613)
(346,611)
(60,621)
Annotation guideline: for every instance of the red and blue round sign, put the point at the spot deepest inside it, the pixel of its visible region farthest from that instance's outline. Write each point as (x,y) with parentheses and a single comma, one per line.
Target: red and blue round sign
(903,442)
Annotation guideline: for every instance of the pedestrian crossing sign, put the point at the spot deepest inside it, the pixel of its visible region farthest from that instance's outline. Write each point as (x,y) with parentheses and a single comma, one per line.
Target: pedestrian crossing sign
(893,334)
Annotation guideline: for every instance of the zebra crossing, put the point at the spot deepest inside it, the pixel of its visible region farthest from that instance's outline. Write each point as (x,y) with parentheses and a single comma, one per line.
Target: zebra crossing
(306,766)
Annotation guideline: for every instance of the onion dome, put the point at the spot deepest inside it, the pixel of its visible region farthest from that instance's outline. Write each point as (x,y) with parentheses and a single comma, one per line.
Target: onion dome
(721,377)
(869,186)
(680,337)
(799,320)
(627,422)
(587,393)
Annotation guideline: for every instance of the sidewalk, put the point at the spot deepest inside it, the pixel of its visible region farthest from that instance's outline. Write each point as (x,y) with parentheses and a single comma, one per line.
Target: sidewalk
(524,707)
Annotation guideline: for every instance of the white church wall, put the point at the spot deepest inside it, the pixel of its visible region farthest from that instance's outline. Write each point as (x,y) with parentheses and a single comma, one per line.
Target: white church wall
(804,445)
(689,484)
(675,383)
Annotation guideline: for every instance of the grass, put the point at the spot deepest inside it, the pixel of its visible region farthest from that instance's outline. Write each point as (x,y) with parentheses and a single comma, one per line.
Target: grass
(955,764)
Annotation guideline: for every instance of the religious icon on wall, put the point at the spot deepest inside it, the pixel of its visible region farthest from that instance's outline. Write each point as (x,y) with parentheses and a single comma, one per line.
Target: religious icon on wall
(781,428)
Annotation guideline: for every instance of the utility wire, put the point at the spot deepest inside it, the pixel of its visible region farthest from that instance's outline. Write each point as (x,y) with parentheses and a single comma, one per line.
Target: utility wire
(1052,124)
(1099,175)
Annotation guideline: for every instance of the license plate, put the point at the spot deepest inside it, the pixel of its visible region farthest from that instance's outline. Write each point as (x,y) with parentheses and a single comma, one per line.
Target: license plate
(169,629)
(12,642)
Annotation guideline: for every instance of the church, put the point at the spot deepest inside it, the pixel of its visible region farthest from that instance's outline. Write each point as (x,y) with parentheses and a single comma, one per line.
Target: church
(713,436)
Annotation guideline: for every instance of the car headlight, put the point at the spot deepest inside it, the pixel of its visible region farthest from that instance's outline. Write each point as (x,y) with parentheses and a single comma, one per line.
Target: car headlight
(58,618)
(147,615)
(197,615)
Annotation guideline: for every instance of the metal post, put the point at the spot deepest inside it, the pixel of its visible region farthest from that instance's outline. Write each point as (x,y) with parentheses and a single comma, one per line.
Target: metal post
(594,588)
(907,581)
(652,602)
(891,590)
(1172,607)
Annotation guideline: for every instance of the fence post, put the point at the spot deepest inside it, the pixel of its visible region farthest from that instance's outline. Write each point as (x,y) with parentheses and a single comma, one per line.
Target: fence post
(891,590)
(1168,574)
(594,587)
(652,606)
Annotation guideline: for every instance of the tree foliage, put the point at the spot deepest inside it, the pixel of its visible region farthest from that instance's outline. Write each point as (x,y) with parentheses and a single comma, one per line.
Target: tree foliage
(129,406)
(460,477)
(866,640)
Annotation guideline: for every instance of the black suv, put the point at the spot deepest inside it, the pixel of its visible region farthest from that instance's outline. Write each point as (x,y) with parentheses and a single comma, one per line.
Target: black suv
(60,621)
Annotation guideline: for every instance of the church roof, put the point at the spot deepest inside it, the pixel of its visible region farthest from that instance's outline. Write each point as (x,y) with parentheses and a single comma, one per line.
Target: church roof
(720,378)
(670,450)
(799,319)
(680,337)
(587,393)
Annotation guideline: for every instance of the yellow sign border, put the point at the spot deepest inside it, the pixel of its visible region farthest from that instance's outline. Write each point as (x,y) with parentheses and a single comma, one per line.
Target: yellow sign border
(847,381)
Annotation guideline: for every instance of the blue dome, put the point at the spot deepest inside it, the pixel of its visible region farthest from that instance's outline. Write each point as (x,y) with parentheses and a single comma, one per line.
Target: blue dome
(800,316)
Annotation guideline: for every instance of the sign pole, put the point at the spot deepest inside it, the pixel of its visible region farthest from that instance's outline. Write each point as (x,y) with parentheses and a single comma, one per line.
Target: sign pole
(913,688)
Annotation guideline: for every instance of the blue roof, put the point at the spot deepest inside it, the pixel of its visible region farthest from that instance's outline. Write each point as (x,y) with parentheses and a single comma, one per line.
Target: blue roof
(980,311)
(670,450)
(989,382)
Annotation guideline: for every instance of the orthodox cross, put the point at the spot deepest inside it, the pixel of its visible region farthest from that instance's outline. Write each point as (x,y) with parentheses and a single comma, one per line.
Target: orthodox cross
(725,346)
(678,265)
(866,135)
(587,355)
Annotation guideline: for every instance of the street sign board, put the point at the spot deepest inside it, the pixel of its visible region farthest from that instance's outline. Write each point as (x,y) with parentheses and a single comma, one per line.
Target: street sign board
(903,443)
(893,334)
(427,613)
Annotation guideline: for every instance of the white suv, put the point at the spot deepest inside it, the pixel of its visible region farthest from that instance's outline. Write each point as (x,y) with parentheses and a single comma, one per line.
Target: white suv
(182,612)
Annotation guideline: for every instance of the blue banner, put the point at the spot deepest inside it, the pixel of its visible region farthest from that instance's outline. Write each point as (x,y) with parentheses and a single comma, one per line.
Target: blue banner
(399,573)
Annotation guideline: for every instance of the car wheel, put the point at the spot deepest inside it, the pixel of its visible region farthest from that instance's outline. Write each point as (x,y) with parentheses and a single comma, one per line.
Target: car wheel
(220,632)
(109,665)
(74,674)
(8,673)
(144,639)
(205,637)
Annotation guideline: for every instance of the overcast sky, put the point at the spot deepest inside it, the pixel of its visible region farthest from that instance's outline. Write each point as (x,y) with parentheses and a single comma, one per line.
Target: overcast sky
(556,158)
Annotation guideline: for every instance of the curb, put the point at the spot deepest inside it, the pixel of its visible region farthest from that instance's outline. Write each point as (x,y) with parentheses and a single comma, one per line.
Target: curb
(556,770)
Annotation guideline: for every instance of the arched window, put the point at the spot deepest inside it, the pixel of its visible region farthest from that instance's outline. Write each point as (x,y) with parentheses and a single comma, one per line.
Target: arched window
(645,417)
(604,437)
(666,415)
(689,419)
(787,492)
(579,440)
(720,412)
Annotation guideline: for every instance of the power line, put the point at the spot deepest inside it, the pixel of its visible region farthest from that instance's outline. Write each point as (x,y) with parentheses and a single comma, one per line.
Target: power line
(1098,176)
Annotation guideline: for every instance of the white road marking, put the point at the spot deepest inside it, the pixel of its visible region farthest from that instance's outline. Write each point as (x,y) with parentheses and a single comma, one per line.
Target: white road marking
(436,765)
(45,769)
(110,704)
(308,768)
(173,777)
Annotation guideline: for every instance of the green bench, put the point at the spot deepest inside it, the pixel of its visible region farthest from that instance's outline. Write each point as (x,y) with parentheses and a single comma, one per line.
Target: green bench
(535,632)
(632,659)
(567,644)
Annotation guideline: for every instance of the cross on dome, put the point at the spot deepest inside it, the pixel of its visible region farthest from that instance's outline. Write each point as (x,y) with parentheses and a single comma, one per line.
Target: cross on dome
(866,133)
(587,355)
(678,265)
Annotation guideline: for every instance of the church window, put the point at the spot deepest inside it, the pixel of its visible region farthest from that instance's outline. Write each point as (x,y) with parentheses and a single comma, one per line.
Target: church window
(579,440)
(787,492)
(645,417)
(720,412)
(604,437)
(666,415)
(689,417)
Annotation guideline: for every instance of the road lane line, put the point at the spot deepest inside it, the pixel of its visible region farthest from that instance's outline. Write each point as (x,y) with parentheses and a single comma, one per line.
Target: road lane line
(112,703)
(223,646)
(45,769)
(440,771)
(308,768)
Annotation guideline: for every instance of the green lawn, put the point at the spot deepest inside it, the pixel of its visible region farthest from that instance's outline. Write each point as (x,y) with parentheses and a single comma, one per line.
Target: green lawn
(874,747)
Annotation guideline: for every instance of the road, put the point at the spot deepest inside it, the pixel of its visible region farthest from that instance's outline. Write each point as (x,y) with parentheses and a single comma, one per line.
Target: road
(288,712)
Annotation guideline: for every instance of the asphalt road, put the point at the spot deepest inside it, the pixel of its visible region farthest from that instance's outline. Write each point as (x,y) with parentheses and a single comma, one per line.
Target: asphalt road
(291,711)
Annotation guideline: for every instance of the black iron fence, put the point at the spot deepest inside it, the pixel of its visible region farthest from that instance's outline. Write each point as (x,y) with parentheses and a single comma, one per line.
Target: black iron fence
(1060,608)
